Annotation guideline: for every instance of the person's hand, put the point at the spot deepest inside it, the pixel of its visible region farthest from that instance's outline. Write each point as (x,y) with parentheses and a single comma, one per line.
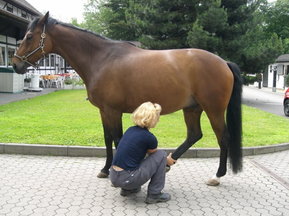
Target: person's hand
(170,160)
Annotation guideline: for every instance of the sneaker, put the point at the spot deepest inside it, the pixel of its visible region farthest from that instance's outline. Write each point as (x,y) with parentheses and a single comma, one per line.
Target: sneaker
(125,192)
(155,198)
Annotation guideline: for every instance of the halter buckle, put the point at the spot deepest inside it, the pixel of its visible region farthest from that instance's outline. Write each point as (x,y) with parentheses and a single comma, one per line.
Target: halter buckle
(24,58)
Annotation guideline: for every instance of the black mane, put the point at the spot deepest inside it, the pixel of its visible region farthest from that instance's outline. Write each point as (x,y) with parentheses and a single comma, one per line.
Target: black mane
(52,21)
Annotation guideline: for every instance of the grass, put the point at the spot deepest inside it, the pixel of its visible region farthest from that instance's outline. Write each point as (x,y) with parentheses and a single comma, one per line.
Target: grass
(67,118)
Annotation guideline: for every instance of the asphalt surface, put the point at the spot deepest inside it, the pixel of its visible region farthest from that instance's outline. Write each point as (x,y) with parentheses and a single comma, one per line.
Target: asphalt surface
(264,99)
(12,97)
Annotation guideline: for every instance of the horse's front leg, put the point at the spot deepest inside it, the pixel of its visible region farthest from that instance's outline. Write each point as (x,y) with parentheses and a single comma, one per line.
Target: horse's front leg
(112,128)
(192,117)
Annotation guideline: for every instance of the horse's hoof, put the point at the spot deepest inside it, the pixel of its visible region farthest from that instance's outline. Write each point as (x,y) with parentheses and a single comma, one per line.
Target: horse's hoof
(102,175)
(214,181)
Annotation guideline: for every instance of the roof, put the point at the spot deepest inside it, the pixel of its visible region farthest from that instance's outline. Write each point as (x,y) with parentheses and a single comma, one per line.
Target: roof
(14,24)
(26,5)
(282,58)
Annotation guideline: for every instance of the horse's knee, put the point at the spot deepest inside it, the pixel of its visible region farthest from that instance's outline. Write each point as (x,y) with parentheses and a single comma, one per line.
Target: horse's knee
(186,145)
(198,137)
(194,138)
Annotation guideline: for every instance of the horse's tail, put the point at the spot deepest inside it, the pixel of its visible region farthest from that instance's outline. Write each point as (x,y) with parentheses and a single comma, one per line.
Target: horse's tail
(234,120)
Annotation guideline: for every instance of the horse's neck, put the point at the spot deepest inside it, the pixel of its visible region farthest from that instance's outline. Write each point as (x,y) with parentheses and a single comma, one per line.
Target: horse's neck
(78,49)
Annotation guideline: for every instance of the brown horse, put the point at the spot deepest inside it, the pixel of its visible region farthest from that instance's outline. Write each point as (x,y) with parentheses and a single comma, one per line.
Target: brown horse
(120,76)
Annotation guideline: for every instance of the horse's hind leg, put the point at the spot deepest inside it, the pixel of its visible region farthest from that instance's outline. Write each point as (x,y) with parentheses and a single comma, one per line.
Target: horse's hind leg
(192,117)
(218,124)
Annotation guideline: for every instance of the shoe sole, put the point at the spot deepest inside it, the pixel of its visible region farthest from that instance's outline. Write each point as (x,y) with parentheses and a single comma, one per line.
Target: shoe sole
(153,201)
(129,193)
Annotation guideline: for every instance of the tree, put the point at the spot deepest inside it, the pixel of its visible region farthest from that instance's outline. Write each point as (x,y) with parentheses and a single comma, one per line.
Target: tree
(209,25)
(277,19)
(162,24)
(74,22)
(241,15)
(233,29)
(260,52)
(259,48)
(108,18)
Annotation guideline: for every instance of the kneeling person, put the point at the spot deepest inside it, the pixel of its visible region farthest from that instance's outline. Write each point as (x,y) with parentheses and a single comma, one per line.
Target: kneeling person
(130,169)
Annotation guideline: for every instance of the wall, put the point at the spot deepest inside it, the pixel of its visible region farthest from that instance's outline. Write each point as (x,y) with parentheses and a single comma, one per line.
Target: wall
(281,71)
(11,82)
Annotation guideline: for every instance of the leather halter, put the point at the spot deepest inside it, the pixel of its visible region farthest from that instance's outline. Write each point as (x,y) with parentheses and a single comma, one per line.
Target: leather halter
(24,58)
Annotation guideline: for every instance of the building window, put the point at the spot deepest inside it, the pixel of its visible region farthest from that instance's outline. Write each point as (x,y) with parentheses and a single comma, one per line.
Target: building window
(2,56)
(61,62)
(41,62)
(47,61)
(11,51)
(29,17)
(52,60)
(9,8)
(24,14)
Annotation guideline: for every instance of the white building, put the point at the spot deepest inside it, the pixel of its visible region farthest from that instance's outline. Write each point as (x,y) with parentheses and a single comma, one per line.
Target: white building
(15,15)
(277,72)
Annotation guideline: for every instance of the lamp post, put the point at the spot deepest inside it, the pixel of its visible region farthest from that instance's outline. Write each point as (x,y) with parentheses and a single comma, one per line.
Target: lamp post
(274,78)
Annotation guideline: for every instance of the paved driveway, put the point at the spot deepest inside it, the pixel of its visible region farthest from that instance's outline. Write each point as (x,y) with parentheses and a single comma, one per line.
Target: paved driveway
(264,99)
(67,186)
(46,185)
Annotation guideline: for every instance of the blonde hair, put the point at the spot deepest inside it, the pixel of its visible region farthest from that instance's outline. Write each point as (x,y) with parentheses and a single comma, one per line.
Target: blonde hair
(147,115)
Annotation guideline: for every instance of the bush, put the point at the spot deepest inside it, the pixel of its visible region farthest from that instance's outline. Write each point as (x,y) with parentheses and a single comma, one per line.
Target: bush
(68,81)
(259,77)
(247,80)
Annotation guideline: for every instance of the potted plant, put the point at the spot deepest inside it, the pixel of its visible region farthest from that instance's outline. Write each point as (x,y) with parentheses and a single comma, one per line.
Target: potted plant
(27,81)
(68,83)
(78,84)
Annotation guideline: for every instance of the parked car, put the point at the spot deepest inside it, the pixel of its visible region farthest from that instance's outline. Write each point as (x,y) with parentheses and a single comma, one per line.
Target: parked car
(286,103)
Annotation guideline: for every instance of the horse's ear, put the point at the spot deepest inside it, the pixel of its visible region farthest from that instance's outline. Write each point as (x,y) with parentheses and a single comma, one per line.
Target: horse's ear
(43,20)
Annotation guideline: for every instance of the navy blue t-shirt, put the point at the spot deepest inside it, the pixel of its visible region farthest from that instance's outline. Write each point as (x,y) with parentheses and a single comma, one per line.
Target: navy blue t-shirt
(133,147)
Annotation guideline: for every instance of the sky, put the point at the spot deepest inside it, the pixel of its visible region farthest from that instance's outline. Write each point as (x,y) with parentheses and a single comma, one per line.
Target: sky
(62,10)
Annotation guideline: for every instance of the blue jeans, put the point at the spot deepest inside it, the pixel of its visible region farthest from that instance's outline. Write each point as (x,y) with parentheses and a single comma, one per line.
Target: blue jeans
(152,168)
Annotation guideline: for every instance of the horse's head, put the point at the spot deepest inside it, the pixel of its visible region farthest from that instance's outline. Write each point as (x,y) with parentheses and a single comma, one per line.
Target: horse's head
(33,47)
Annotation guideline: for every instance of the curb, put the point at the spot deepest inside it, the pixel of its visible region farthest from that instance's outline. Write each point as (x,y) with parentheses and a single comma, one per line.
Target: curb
(81,151)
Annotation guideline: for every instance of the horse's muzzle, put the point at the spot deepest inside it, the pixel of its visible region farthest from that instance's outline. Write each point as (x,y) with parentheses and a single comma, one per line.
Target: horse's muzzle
(20,67)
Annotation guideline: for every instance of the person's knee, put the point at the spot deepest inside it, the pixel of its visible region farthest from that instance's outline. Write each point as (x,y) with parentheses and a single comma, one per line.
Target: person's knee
(161,153)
